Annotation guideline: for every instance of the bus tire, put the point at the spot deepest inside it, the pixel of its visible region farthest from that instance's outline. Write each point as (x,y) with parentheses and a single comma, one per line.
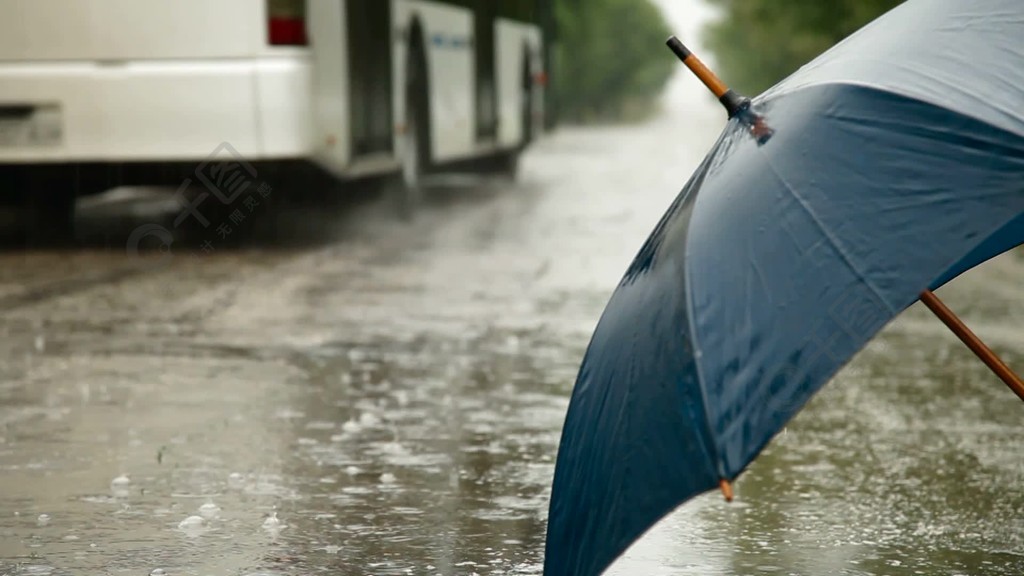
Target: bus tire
(416,152)
(509,163)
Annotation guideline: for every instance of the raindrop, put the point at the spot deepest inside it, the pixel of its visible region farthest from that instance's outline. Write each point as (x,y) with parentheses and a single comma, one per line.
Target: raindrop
(191,523)
(209,510)
(402,397)
(369,419)
(40,343)
(273,524)
(351,426)
(158,572)
(121,486)
(235,479)
(388,478)
(352,470)
(43,519)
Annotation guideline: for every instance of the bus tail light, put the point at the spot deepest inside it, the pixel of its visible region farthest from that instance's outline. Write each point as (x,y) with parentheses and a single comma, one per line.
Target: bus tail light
(286,23)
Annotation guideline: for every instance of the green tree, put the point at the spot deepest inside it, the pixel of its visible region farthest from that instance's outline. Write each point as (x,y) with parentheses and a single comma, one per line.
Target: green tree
(610,60)
(759,42)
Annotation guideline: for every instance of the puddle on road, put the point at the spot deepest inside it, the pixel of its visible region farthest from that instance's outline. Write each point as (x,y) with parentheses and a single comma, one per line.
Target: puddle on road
(384,457)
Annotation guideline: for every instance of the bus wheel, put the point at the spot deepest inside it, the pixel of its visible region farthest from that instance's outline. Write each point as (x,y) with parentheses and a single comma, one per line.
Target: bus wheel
(416,135)
(509,163)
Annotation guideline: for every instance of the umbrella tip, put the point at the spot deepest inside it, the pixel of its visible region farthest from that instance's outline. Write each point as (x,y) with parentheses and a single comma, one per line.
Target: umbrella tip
(677,46)
(726,489)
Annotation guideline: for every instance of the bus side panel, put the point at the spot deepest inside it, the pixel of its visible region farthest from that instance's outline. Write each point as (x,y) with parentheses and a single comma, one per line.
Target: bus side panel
(327,25)
(286,106)
(514,40)
(137,111)
(448,35)
(130,30)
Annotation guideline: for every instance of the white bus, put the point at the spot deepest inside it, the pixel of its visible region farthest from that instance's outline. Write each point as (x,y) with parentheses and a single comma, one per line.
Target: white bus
(101,93)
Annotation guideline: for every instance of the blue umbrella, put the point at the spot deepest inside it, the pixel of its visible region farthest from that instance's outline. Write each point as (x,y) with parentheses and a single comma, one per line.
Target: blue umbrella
(885,168)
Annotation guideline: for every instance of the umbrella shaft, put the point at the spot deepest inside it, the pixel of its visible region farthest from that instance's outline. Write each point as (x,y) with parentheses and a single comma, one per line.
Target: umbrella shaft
(717,87)
(973,342)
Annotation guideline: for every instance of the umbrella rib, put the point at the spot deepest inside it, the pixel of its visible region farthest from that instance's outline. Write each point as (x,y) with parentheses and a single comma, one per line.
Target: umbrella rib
(713,450)
(827,235)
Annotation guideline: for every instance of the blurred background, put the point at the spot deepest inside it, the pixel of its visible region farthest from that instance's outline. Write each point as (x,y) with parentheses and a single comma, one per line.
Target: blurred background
(298,287)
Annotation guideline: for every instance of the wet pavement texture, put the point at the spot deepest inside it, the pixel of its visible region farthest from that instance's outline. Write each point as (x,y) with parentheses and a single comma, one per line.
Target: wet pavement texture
(387,397)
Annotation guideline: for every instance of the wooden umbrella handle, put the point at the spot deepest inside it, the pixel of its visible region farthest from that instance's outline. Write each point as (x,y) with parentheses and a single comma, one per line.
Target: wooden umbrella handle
(973,342)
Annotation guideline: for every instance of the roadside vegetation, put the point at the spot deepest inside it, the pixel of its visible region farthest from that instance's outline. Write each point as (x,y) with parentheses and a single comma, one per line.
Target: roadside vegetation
(756,43)
(610,63)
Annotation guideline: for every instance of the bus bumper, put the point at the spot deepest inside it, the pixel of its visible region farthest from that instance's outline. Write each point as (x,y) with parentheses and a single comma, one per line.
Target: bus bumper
(130,111)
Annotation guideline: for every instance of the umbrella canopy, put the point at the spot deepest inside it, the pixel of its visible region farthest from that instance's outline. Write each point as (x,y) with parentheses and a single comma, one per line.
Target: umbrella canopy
(897,163)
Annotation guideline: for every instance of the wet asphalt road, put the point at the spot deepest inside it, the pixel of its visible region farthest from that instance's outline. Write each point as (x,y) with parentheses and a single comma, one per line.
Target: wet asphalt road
(386,398)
